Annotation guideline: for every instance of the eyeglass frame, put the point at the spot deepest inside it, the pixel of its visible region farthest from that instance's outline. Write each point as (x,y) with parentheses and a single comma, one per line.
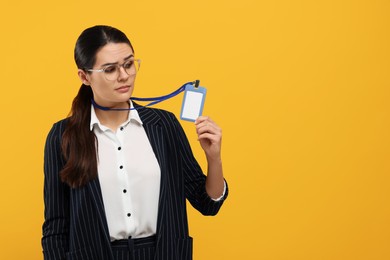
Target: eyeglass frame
(118,66)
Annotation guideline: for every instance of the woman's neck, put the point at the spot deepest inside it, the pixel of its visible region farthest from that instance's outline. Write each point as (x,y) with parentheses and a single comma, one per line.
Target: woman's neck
(112,118)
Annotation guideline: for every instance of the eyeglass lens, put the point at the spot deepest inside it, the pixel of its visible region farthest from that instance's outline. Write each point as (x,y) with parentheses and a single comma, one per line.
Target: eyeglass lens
(112,72)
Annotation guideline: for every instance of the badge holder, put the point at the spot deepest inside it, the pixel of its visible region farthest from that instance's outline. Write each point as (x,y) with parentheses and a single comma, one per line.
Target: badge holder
(193,102)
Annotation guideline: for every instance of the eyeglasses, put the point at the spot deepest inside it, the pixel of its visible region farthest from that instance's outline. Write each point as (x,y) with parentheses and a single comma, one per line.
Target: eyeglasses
(112,72)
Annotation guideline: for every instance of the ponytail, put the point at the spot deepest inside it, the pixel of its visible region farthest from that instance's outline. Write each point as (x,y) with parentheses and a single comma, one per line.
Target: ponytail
(79,142)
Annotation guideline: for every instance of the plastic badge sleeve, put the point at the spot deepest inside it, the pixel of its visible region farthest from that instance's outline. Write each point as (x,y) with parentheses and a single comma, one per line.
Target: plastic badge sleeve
(193,102)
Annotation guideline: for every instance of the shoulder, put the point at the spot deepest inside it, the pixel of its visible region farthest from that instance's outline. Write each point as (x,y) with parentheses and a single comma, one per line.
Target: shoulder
(60,125)
(157,115)
(57,129)
(165,119)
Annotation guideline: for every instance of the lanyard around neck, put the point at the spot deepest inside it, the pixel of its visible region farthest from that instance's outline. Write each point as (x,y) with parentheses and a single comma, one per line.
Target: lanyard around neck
(154,100)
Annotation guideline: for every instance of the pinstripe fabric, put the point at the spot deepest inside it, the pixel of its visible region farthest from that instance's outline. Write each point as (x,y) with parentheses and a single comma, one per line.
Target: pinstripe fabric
(139,249)
(75,225)
(139,254)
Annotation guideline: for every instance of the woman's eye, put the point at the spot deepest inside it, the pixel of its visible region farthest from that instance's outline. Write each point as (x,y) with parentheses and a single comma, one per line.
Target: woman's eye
(110,69)
(128,64)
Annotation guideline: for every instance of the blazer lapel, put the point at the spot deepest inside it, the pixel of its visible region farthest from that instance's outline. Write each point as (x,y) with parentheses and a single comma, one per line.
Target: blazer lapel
(96,195)
(154,131)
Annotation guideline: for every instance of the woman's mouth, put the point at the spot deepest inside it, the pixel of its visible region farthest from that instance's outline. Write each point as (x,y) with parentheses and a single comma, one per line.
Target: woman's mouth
(123,89)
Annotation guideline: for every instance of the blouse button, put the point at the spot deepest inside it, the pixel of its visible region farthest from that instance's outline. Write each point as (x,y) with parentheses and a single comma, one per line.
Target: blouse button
(119,148)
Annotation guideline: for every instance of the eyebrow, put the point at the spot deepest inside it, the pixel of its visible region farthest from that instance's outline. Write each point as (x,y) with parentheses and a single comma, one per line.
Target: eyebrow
(114,63)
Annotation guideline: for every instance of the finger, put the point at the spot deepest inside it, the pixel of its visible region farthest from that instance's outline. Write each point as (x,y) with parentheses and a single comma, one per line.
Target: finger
(210,137)
(202,122)
(201,119)
(208,128)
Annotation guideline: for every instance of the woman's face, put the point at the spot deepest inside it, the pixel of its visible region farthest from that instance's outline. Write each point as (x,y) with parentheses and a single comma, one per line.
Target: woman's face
(110,93)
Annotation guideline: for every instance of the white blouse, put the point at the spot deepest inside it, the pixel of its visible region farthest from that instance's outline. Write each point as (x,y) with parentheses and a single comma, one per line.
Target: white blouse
(129,176)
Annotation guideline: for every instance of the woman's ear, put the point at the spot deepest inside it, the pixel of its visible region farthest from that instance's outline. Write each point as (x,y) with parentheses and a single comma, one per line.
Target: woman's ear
(84,77)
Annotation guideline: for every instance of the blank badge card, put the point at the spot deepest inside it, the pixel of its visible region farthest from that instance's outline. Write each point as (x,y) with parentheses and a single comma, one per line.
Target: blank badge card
(193,102)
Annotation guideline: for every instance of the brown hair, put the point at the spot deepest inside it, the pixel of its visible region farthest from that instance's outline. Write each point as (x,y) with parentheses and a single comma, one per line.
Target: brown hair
(79,144)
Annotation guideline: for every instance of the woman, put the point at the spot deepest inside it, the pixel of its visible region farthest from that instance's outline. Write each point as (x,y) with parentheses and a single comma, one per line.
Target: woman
(116,181)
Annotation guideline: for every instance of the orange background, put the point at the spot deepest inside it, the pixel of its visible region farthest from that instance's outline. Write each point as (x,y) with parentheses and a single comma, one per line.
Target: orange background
(300,88)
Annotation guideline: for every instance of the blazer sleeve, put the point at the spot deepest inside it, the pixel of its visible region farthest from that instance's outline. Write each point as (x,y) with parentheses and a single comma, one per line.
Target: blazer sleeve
(56,198)
(195,180)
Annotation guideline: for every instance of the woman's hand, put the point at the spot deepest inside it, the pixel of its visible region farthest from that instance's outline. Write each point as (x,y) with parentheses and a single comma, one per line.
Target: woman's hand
(209,136)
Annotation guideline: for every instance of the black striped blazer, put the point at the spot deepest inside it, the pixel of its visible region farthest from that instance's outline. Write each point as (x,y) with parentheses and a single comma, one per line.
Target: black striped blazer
(75,225)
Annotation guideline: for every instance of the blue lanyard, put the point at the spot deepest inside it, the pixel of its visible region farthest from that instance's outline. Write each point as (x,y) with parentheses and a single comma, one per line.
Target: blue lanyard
(154,100)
